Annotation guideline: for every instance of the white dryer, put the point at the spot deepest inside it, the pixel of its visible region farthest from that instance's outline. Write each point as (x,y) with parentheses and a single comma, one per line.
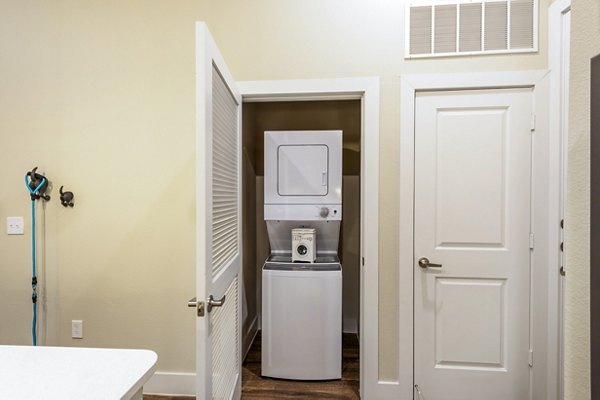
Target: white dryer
(303,187)
(303,167)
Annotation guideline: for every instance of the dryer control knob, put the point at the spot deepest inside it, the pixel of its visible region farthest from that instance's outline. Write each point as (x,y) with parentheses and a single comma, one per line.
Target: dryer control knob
(324,212)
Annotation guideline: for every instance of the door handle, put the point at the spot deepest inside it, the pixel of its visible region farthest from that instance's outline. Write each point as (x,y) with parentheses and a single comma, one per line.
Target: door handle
(424,263)
(198,305)
(214,303)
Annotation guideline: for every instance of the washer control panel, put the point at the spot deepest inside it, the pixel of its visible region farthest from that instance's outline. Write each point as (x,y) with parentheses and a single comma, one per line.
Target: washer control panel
(304,212)
(327,212)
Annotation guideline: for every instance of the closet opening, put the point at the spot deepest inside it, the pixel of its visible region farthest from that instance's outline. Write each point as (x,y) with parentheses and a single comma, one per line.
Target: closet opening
(258,117)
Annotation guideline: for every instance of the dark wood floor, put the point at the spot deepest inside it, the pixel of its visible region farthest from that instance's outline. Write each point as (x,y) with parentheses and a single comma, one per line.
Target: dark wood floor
(255,386)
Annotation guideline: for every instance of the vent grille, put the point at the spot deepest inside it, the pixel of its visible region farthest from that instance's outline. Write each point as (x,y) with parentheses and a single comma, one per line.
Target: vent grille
(225,175)
(468,27)
(420,38)
(445,29)
(521,27)
(496,25)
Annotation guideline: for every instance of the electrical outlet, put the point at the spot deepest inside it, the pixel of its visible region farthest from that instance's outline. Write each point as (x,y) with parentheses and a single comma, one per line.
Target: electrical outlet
(14,226)
(77,329)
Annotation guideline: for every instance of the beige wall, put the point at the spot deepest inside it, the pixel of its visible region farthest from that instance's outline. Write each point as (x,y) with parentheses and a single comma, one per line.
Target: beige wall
(585,43)
(100,94)
(294,39)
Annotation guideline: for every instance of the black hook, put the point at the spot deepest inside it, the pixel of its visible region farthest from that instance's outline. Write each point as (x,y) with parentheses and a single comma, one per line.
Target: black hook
(39,182)
(66,198)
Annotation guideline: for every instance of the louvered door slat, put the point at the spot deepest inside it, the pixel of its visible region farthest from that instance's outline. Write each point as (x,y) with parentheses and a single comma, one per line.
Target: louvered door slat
(225,179)
(224,227)
(225,351)
(223,170)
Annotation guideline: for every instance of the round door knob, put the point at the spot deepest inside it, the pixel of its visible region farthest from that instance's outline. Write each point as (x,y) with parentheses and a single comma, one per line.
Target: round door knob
(324,212)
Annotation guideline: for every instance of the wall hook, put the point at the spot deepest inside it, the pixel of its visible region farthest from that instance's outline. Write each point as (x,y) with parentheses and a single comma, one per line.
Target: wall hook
(66,198)
(37,184)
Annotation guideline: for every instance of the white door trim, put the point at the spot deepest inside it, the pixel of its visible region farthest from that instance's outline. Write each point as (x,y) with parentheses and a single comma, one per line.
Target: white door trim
(558,134)
(544,328)
(366,89)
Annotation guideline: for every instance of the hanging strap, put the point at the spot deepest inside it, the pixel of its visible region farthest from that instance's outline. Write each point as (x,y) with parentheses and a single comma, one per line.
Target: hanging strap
(36,190)
(34,294)
(33,275)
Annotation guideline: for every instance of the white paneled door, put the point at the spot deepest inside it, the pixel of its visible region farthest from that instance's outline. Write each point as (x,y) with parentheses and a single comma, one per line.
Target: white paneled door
(473,155)
(218,224)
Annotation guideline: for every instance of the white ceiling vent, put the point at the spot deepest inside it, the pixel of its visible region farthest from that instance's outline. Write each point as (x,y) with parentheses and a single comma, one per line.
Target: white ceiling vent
(464,27)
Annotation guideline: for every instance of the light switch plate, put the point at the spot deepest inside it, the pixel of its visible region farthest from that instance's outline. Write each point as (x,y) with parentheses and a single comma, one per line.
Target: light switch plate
(77,329)
(15,226)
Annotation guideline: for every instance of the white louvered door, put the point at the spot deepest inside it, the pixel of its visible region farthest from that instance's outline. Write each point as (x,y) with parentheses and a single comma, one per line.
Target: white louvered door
(218,224)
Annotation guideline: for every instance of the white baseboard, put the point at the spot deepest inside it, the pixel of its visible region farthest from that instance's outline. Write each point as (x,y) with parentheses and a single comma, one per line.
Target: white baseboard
(390,390)
(184,383)
(172,383)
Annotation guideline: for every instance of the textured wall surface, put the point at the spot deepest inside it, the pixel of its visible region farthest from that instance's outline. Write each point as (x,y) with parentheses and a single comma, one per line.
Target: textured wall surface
(585,43)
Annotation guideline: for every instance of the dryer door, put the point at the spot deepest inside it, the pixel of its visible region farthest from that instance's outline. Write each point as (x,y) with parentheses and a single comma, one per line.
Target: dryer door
(303,167)
(302,170)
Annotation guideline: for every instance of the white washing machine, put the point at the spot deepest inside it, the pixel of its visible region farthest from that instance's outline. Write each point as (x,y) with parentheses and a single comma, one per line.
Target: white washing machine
(302,320)
(302,302)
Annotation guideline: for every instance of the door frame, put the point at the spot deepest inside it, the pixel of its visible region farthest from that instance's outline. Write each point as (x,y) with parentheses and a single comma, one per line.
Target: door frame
(367,90)
(544,327)
(559,120)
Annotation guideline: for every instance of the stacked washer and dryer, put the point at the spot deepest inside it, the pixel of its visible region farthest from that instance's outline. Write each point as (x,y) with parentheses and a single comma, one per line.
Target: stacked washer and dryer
(302,277)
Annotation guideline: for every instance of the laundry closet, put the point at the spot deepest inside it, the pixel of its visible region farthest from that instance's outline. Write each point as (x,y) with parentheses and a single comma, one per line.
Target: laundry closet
(343,116)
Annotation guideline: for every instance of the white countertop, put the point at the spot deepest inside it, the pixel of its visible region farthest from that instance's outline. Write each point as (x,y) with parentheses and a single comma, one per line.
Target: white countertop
(41,373)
